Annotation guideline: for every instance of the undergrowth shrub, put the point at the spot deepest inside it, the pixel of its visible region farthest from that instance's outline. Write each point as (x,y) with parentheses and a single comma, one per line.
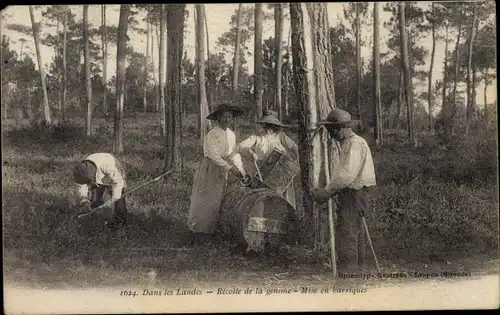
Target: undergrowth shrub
(429,220)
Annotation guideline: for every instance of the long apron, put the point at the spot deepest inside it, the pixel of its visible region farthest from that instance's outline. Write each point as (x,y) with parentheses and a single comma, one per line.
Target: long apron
(209,187)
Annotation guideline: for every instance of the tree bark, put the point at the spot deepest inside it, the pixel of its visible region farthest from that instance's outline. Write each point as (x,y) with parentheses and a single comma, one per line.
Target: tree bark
(1,30)
(121,59)
(486,82)
(376,77)
(236,59)
(406,73)
(212,95)
(146,68)
(358,60)
(45,117)
(470,84)
(200,68)
(162,59)
(59,79)
(431,68)
(315,95)
(455,83)
(278,35)
(445,106)
(197,73)
(104,61)
(306,95)
(88,79)
(258,84)
(175,30)
(153,71)
(65,68)
(325,101)
(287,74)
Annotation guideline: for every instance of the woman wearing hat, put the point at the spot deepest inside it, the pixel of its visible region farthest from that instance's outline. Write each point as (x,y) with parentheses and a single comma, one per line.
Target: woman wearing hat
(101,172)
(211,177)
(272,138)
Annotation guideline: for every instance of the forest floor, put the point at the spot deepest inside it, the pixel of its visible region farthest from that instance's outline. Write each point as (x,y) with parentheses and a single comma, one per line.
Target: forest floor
(44,249)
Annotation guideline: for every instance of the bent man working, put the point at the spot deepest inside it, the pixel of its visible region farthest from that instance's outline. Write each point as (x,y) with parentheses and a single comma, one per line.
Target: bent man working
(101,172)
(351,182)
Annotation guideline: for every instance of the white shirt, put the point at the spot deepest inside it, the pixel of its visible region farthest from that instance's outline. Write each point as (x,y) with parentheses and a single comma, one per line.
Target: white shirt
(218,146)
(355,168)
(109,173)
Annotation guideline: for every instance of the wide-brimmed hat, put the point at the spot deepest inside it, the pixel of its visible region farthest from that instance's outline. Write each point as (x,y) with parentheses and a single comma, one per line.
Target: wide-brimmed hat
(339,118)
(271,118)
(225,108)
(84,172)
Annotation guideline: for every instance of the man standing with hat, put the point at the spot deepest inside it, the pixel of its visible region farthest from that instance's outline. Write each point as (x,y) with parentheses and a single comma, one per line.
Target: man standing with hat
(101,172)
(351,182)
(211,179)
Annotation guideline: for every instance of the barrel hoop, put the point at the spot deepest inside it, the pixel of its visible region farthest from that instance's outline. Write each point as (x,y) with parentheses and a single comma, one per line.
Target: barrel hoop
(245,196)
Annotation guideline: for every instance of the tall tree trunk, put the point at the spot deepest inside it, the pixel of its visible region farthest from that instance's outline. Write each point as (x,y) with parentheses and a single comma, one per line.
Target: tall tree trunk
(258,84)
(121,59)
(236,59)
(358,60)
(175,29)
(200,68)
(486,82)
(474,82)
(197,74)
(212,95)
(325,102)
(445,106)
(45,117)
(431,68)
(162,59)
(287,73)
(376,77)
(153,71)
(400,109)
(59,79)
(88,79)
(65,68)
(278,35)
(455,83)
(306,95)
(405,63)
(470,84)
(146,68)
(315,96)
(1,30)
(104,61)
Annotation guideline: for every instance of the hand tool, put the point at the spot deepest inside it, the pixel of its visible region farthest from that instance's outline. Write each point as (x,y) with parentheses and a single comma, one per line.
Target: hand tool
(126,193)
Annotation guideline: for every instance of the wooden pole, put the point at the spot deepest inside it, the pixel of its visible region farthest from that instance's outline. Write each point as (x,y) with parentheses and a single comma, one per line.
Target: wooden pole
(330,204)
(371,244)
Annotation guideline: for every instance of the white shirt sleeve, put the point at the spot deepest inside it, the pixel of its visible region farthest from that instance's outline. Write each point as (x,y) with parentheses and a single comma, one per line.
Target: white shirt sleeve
(111,171)
(82,192)
(215,146)
(349,167)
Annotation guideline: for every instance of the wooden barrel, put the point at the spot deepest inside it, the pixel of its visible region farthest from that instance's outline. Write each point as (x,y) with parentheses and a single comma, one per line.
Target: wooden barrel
(258,219)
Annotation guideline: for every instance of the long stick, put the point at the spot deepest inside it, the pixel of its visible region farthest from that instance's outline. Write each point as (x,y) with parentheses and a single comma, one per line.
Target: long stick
(371,245)
(125,194)
(330,207)
(258,170)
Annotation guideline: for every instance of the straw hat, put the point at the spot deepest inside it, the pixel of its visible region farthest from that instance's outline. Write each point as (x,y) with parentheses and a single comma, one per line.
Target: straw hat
(84,172)
(271,118)
(340,118)
(225,108)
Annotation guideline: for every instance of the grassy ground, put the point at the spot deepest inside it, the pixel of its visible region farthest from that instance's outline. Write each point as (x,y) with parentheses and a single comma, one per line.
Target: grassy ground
(432,209)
